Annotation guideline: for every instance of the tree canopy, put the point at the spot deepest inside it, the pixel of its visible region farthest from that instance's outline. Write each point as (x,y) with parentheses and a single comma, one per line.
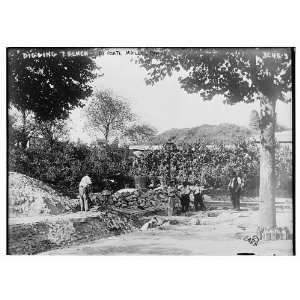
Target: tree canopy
(107,113)
(48,85)
(140,133)
(236,74)
(239,75)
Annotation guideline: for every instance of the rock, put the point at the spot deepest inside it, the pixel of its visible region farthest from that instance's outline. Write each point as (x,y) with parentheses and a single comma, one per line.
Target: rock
(212,214)
(195,221)
(140,199)
(164,225)
(150,224)
(173,222)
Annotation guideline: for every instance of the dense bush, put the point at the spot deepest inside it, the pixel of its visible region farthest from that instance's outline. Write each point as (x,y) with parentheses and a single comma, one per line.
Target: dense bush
(212,164)
(63,164)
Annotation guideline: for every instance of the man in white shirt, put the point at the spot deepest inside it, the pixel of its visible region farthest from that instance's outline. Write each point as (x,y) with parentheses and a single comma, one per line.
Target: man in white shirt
(198,196)
(84,190)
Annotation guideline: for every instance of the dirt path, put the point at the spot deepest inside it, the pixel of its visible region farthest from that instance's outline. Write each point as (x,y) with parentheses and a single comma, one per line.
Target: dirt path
(221,234)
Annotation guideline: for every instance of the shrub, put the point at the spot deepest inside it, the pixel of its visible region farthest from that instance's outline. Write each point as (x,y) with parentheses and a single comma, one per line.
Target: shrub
(64,164)
(213,164)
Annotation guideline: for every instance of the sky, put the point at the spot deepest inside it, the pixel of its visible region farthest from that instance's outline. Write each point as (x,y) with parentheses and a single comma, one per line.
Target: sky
(164,105)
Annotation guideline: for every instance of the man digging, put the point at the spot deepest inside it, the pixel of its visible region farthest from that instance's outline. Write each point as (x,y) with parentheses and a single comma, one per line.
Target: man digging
(84,191)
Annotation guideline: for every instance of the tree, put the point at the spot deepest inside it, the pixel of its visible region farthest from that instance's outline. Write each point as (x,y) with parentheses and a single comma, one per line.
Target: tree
(13,131)
(254,122)
(107,113)
(24,126)
(140,133)
(52,131)
(239,75)
(48,83)
(22,131)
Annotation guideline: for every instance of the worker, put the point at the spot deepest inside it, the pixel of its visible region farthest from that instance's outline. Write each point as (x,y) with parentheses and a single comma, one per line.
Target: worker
(185,197)
(235,187)
(84,191)
(152,184)
(198,196)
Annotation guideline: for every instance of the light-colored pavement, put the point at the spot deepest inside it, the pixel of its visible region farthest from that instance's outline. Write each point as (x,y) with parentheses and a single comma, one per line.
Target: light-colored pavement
(220,235)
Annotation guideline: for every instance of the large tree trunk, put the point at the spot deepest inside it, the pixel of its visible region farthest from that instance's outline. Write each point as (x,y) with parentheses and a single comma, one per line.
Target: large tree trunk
(267,164)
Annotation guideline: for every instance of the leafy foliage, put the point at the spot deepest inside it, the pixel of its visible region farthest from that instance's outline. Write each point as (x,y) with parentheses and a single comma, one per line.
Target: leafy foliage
(209,164)
(63,164)
(107,113)
(22,131)
(13,132)
(140,133)
(48,86)
(237,74)
(52,131)
(212,164)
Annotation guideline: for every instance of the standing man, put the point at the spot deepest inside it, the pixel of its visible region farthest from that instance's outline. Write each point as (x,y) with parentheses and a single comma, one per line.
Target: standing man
(235,187)
(198,196)
(84,191)
(185,197)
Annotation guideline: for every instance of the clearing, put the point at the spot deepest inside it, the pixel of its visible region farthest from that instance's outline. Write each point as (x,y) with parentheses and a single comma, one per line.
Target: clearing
(221,233)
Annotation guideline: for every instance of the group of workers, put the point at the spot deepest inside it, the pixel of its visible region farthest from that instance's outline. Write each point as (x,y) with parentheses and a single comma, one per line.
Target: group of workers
(185,192)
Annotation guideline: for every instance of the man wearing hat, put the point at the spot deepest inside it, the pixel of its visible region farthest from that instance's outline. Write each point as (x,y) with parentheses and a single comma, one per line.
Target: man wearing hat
(235,188)
(185,197)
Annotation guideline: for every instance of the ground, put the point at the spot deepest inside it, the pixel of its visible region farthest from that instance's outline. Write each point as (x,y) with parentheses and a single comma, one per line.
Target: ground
(220,233)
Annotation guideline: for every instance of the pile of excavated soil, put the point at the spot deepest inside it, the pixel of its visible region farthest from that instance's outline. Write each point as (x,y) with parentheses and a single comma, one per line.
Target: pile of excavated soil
(31,235)
(31,197)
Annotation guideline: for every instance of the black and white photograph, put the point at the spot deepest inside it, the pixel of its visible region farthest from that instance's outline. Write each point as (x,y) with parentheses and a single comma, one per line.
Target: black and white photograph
(151,151)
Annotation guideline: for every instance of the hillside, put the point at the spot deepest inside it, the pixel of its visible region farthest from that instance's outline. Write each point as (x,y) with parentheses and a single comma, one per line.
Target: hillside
(226,133)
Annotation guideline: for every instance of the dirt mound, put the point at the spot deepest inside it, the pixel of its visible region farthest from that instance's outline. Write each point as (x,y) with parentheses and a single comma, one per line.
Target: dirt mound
(30,197)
